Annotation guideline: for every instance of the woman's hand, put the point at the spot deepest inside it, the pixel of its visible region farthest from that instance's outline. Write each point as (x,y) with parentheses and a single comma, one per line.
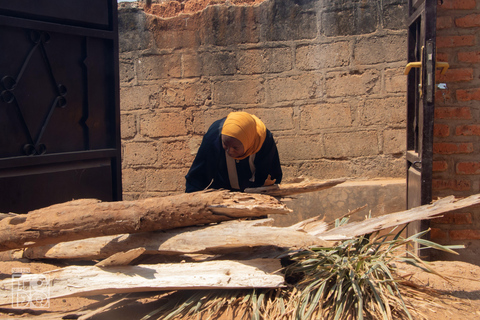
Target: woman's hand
(269,181)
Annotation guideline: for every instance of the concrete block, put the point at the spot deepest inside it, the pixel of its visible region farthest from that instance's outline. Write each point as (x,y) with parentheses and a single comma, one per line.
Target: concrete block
(239,92)
(394,15)
(218,63)
(394,141)
(387,111)
(351,19)
(351,144)
(138,97)
(373,50)
(395,80)
(164,124)
(156,67)
(133,180)
(128,125)
(229,25)
(186,93)
(354,83)
(300,148)
(325,169)
(140,154)
(132,35)
(301,87)
(268,60)
(284,20)
(176,154)
(328,55)
(316,117)
(165,179)
(275,119)
(126,71)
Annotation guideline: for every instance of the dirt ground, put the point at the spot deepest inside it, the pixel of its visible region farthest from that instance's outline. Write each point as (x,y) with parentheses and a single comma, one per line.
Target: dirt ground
(457,298)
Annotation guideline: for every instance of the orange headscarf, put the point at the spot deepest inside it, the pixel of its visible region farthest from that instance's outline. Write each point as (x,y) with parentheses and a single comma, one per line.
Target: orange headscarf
(247,128)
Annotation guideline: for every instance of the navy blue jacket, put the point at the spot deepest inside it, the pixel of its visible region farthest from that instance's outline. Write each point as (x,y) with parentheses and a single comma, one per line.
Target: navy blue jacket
(210,164)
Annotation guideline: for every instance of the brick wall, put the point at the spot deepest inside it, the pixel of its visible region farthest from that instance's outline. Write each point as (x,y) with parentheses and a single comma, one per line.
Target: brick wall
(326,77)
(456,167)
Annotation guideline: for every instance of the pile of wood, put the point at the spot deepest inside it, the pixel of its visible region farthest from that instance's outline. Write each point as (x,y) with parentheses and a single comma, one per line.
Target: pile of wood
(206,240)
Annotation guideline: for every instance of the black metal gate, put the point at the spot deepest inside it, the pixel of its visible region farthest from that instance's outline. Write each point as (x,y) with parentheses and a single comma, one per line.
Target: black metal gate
(59,103)
(420,104)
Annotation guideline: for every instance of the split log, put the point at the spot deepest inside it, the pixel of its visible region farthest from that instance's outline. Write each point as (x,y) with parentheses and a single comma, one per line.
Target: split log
(289,189)
(230,236)
(88,218)
(91,280)
(429,211)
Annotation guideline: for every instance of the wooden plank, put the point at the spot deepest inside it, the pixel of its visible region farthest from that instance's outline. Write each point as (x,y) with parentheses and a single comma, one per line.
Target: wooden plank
(92,280)
(289,189)
(230,236)
(88,218)
(430,211)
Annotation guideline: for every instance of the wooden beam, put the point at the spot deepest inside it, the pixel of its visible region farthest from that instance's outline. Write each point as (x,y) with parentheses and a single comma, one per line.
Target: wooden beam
(429,211)
(229,236)
(289,189)
(88,218)
(92,280)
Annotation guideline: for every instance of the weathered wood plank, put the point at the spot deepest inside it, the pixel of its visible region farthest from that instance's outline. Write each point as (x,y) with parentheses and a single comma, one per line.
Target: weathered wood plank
(289,189)
(428,211)
(88,218)
(92,280)
(230,236)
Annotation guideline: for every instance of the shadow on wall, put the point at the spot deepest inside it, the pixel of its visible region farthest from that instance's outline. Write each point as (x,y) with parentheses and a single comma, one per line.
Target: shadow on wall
(381,196)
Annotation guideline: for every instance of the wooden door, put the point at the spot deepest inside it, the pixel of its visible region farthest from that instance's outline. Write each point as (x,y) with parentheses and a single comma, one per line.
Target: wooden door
(59,103)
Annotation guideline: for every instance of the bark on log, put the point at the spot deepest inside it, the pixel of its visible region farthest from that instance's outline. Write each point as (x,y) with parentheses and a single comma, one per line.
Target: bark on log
(91,280)
(289,189)
(230,236)
(429,211)
(88,218)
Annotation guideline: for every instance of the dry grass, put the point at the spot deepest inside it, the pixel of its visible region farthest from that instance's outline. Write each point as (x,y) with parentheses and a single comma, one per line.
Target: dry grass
(354,279)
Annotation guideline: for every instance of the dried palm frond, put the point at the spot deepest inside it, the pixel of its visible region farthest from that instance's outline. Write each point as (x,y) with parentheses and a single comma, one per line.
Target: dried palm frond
(355,279)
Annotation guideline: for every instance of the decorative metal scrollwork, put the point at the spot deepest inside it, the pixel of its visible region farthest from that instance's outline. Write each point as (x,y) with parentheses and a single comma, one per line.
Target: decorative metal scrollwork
(9,84)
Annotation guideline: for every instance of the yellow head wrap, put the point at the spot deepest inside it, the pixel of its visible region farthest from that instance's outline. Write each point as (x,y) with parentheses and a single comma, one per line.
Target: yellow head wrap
(247,128)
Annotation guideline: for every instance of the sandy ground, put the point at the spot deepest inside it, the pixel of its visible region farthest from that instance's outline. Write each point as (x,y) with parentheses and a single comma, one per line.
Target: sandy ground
(456,298)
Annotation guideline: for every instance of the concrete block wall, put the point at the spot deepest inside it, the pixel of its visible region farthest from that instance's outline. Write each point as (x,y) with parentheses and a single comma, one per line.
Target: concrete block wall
(326,77)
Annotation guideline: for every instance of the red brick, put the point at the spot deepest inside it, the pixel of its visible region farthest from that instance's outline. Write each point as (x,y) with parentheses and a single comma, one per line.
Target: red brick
(468,168)
(438,166)
(465,234)
(455,75)
(468,130)
(455,41)
(457,4)
(470,21)
(455,218)
(444,23)
(462,113)
(468,94)
(452,148)
(469,56)
(441,130)
(442,56)
(443,96)
(456,185)
(436,233)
